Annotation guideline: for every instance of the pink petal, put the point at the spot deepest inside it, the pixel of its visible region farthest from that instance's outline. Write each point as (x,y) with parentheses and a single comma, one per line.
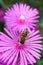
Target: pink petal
(5,54)
(21,59)
(28,58)
(34,33)
(35,54)
(9,33)
(2,49)
(25,60)
(9,55)
(15,59)
(11,58)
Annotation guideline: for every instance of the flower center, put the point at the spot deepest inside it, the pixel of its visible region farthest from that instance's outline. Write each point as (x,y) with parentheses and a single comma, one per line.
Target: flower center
(22,19)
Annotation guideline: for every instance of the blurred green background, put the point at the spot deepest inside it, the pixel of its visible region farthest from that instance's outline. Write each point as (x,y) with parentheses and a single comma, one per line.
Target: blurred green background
(34,3)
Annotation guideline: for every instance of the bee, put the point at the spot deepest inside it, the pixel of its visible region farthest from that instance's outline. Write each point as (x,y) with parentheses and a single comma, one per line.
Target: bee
(23,36)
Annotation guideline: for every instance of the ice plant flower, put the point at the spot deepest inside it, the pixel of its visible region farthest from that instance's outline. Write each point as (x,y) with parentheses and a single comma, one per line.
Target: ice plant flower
(21,16)
(15,50)
(2,12)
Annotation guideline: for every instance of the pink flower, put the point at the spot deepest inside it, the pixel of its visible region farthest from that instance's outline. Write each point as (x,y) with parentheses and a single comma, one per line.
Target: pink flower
(21,16)
(2,12)
(15,52)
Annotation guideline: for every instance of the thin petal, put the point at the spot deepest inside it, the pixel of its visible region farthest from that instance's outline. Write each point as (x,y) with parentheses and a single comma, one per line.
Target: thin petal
(2,49)
(11,58)
(28,58)
(7,57)
(5,54)
(9,33)
(21,59)
(25,60)
(15,59)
